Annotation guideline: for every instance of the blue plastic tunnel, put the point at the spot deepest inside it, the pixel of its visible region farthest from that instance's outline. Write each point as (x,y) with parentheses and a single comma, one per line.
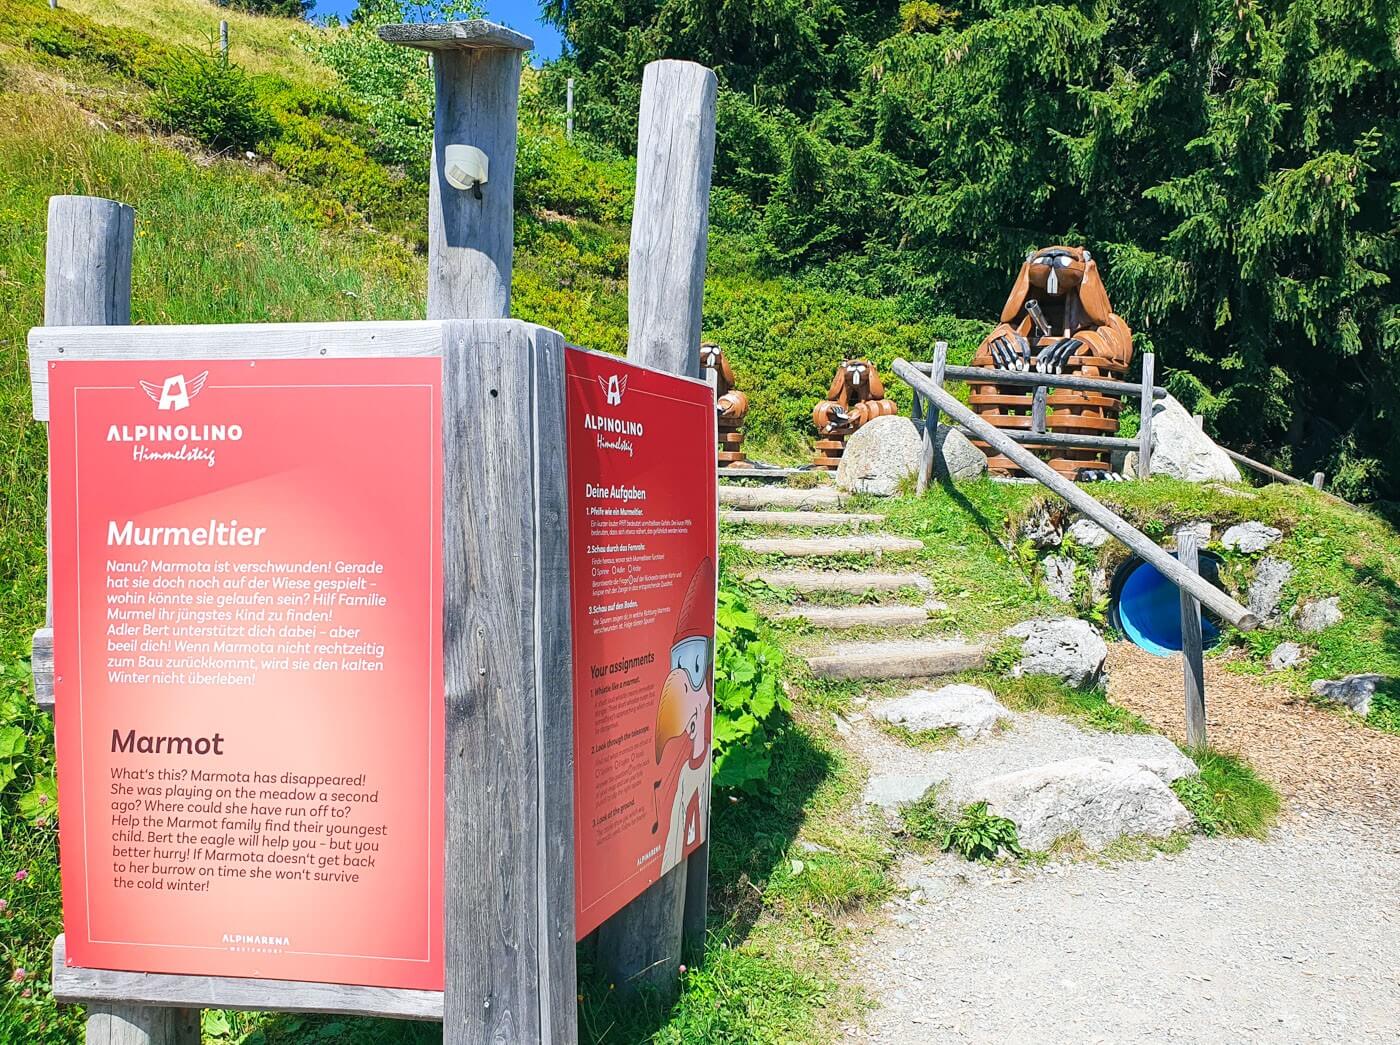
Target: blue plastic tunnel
(1146,607)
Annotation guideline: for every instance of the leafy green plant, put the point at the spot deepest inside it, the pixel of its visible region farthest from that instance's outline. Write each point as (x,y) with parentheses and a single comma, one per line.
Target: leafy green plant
(211,99)
(978,834)
(925,821)
(751,707)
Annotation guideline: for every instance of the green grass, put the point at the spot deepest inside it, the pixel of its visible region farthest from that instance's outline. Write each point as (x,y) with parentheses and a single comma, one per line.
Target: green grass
(1227,797)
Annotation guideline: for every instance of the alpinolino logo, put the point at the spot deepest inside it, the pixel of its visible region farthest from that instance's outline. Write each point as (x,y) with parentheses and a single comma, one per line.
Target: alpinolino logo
(176,392)
(613,387)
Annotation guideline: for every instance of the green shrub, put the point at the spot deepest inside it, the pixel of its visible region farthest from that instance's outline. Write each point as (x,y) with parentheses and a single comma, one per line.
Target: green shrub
(212,100)
(751,707)
(980,835)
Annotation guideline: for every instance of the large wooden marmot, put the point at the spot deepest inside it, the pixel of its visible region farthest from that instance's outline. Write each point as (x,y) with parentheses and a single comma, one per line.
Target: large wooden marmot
(1057,320)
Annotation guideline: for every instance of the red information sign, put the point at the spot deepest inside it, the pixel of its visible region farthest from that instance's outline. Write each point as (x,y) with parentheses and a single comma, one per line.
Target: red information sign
(247,623)
(642,532)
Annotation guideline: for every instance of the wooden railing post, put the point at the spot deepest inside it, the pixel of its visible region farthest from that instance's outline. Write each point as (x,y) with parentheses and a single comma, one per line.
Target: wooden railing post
(1149,368)
(87,282)
(642,945)
(929,454)
(1192,644)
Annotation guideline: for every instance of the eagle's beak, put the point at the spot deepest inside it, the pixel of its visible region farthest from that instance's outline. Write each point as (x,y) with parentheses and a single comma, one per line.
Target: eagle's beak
(670,712)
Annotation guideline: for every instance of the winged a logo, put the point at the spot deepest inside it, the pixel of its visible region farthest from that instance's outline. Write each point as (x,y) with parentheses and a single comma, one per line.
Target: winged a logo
(176,392)
(613,387)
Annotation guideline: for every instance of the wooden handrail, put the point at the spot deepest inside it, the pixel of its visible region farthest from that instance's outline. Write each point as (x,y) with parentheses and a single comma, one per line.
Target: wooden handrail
(1209,595)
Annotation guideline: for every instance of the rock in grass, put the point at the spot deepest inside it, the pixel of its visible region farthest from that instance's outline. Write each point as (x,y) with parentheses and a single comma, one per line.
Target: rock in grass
(971,710)
(1265,594)
(1088,534)
(1355,691)
(1065,647)
(892,790)
(1059,577)
(1285,655)
(1317,614)
(1182,451)
(1099,799)
(955,457)
(1250,537)
(879,456)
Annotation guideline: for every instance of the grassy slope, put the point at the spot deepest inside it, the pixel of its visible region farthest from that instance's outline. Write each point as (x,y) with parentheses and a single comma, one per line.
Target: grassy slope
(218,241)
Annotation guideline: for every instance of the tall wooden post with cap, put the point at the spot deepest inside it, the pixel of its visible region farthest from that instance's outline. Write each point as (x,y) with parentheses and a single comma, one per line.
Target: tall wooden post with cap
(509,941)
(471,188)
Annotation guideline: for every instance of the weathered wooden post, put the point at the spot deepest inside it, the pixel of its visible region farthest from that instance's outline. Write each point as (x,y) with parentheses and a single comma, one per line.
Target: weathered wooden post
(569,109)
(506,634)
(1149,373)
(1319,478)
(642,945)
(87,282)
(1192,644)
(927,461)
(223,38)
(471,187)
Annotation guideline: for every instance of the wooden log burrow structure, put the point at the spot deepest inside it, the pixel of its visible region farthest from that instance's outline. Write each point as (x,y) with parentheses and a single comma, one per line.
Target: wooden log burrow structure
(856,396)
(1056,320)
(731,405)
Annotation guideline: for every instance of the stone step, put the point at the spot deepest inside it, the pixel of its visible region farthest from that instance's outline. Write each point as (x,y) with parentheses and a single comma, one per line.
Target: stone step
(799,519)
(871,544)
(752,498)
(812,582)
(898,659)
(840,617)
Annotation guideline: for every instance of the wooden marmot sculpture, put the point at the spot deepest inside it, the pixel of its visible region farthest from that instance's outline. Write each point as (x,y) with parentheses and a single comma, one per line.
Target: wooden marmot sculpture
(1057,320)
(857,395)
(730,404)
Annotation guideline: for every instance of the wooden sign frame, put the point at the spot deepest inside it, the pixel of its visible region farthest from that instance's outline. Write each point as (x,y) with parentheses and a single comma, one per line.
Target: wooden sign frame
(509,889)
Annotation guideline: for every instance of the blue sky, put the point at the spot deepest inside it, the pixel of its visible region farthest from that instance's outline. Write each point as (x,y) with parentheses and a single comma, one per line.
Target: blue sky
(521,15)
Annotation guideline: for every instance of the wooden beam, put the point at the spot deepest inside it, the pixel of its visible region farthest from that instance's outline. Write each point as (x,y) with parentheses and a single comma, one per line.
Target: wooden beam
(1087,442)
(225,341)
(642,945)
(117,1023)
(106,987)
(506,662)
(984,376)
(1192,644)
(1038,409)
(1216,600)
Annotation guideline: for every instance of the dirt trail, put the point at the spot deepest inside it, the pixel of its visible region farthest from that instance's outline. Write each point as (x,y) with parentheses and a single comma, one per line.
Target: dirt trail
(1321,761)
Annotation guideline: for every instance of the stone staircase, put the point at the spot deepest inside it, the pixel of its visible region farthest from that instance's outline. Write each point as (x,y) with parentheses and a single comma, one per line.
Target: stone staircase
(1110,783)
(895,655)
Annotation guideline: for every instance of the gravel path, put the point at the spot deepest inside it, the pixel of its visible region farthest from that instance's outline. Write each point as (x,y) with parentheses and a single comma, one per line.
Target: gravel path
(1292,940)
(1320,760)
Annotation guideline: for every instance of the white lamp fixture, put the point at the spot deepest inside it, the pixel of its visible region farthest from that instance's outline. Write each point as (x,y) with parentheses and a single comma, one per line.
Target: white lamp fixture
(465,167)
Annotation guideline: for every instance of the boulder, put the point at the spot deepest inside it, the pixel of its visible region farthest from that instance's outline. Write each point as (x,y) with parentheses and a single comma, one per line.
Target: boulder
(1088,534)
(1059,577)
(879,456)
(1355,691)
(955,457)
(1181,450)
(1099,799)
(1265,593)
(1317,614)
(1065,647)
(1250,537)
(1285,655)
(971,710)
(1201,528)
(892,790)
